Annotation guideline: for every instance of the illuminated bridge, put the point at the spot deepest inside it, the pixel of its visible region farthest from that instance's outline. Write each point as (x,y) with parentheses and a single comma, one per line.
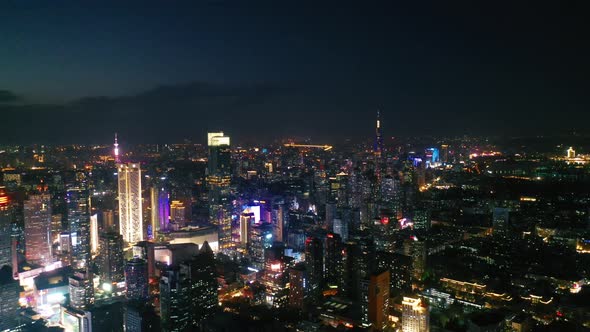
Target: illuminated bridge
(310,146)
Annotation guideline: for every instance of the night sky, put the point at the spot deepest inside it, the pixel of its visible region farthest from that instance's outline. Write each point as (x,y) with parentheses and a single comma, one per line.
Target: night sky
(163,71)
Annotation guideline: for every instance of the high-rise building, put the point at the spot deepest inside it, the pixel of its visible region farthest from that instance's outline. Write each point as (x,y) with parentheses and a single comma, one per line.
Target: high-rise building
(9,294)
(416,250)
(136,279)
(160,209)
(5,229)
(415,317)
(78,205)
(279,217)
(218,180)
(141,317)
(174,301)
(314,263)
(500,217)
(178,213)
(246,221)
(422,219)
(260,238)
(333,258)
(37,213)
(74,320)
(94,233)
(571,153)
(297,285)
(81,290)
(199,274)
(378,299)
(111,260)
(130,202)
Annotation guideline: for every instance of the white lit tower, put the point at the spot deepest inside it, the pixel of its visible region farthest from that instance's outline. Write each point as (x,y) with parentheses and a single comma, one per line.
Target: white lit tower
(116,150)
(130,202)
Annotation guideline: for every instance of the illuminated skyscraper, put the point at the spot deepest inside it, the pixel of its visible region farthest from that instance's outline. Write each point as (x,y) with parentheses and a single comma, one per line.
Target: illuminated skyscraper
(378,299)
(219,179)
(136,279)
(37,213)
(571,153)
(130,208)
(94,233)
(5,230)
(415,317)
(81,290)
(246,221)
(111,260)
(178,213)
(160,209)
(78,203)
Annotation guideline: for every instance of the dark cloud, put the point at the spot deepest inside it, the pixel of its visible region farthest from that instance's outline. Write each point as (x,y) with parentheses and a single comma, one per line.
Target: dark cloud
(8,97)
(163,114)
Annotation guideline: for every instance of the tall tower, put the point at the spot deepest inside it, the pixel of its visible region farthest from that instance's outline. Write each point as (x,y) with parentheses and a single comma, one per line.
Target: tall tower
(378,145)
(78,203)
(116,150)
(130,211)
(219,180)
(5,230)
(37,212)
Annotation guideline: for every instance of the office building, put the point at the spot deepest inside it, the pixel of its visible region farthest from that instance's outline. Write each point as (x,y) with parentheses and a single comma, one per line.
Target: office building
(160,210)
(81,290)
(422,219)
(297,285)
(5,229)
(130,202)
(246,221)
(378,300)
(37,215)
(314,264)
(218,180)
(174,301)
(78,206)
(136,279)
(260,239)
(73,320)
(178,213)
(111,260)
(415,316)
(94,233)
(200,278)
(9,295)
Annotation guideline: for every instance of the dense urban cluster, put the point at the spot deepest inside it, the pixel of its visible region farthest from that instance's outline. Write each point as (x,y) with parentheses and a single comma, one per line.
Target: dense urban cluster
(399,234)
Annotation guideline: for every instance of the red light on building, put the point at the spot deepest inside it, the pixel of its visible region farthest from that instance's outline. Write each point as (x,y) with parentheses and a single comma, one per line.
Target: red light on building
(4,200)
(385,220)
(330,235)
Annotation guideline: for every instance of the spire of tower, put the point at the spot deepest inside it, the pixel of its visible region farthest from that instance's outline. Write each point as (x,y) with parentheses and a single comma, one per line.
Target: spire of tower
(378,147)
(116,149)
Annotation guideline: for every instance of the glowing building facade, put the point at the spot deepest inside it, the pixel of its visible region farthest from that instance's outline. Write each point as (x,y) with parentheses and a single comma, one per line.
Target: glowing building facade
(130,207)
(5,230)
(37,213)
(415,317)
